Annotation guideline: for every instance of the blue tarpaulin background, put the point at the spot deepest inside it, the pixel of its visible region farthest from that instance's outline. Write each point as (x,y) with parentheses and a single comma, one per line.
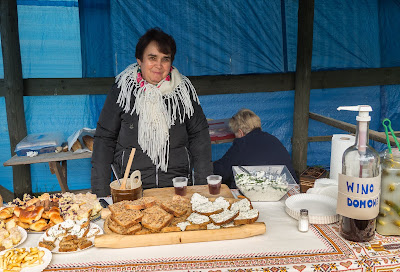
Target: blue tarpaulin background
(67,39)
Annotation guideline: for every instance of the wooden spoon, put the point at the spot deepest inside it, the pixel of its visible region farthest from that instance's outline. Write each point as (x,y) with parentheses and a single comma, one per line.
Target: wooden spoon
(128,168)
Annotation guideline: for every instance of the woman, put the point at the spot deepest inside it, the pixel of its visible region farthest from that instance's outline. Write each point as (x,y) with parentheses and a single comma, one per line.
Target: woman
(155,109)
(252,146)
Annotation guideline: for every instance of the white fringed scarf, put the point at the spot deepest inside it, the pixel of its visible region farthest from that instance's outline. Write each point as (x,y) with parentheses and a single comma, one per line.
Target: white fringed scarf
(158,107)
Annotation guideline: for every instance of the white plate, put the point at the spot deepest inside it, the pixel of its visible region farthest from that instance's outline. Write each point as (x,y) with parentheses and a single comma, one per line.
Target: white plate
(55,250)
(321,208)
(23,238)
(38,268)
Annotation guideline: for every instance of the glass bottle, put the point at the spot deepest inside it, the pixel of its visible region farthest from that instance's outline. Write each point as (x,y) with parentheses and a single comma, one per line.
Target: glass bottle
(361,161)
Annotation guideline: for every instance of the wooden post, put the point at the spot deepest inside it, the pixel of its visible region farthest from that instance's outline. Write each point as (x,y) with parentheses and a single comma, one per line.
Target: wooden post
(14,90)
(302,84)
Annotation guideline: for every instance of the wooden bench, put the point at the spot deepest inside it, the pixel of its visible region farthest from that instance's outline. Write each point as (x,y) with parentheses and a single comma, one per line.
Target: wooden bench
(57,163)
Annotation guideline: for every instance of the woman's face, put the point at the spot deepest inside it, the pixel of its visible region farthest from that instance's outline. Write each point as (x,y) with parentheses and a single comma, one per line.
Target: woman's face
(155,65)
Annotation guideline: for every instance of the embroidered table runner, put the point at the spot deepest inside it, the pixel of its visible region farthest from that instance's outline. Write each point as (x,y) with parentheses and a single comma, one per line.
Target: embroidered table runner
(281,248)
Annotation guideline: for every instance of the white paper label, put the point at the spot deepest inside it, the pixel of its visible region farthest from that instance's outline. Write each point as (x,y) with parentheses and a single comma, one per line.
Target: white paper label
(358,198)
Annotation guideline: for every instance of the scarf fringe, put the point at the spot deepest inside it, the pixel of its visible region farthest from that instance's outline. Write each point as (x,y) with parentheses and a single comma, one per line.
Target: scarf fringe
(157,112)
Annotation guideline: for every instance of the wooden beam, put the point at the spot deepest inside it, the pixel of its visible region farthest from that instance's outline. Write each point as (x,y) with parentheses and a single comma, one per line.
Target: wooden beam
(373,135)
(320,138)
(210,85)
(14,89)
(302,85)
(355,78)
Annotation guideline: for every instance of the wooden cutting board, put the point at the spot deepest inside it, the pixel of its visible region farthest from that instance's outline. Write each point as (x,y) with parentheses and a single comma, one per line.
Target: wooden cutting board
(168,192)
(182,237)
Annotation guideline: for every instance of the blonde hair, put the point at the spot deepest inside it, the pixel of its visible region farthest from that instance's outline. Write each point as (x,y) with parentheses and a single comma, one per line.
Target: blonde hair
(245,120)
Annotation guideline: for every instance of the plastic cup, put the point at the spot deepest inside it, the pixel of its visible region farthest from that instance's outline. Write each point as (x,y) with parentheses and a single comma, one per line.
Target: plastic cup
(180,185)
(214,184)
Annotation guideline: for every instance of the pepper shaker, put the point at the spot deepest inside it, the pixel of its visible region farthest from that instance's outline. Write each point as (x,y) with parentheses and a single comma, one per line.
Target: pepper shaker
(303,220)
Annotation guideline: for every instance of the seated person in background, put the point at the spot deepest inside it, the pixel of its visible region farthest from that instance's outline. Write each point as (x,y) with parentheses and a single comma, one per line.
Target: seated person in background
(252,146)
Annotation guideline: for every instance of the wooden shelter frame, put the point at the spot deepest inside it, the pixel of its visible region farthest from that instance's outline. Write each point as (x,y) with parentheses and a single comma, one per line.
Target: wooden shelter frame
(14,87)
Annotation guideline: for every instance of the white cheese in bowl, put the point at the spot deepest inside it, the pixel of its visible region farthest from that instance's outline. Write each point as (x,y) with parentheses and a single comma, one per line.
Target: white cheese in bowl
(262,186)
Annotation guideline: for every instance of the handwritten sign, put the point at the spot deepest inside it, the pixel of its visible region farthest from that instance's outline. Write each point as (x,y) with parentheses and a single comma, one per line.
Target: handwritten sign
(358,198)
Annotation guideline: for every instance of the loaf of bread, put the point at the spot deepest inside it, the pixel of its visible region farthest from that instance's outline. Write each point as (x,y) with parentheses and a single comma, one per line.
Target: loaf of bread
(88,141)
(77,145)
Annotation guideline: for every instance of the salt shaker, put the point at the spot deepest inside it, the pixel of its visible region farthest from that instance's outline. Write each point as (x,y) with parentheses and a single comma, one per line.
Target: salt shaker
(303,220)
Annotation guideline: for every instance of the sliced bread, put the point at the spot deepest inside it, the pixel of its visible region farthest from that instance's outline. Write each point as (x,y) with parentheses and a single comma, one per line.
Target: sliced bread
(119,207)
(198,219)
(137,204)
(114,227)
(128,218)
(224,217)
(242,205)
(155,218)
(246,217)
(208,208)
(176,208)
(143,231)
(149,201)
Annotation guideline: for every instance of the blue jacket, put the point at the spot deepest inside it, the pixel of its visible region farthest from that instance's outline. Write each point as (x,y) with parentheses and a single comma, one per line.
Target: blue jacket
(256,148)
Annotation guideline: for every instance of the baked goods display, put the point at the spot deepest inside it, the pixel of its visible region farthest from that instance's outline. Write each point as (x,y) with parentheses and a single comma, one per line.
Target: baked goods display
(33,213)
(10,235)
(79,206)
(70,236)
(178,214)
(40,213)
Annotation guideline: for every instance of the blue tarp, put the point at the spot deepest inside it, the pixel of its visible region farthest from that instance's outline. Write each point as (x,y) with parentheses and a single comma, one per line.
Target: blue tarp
(98,39)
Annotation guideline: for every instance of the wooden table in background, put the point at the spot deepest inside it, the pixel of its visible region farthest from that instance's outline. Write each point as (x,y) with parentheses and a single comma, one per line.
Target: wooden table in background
(57,163)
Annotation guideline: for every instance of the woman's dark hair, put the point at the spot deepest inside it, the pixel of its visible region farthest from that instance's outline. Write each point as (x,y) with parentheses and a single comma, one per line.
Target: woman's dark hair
(166,44)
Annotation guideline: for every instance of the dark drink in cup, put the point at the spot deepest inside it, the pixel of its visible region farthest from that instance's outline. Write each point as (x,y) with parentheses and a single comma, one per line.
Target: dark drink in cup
(180,185)
(214,189)
(214,184)
(181,190)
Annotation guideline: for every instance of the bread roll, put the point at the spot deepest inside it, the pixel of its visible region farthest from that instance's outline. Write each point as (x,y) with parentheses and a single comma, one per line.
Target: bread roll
(40,225)
(30,216)
(88,141)
(77,145)
(55,215)
(6,213)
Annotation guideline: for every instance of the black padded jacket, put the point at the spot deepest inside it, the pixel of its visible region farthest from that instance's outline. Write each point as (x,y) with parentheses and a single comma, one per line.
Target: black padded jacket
(117,133)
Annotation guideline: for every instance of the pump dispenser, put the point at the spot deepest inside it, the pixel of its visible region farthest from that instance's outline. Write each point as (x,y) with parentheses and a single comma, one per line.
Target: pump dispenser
(359,183)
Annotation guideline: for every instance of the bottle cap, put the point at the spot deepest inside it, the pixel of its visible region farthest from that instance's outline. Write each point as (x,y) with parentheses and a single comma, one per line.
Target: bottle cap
(303,212)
